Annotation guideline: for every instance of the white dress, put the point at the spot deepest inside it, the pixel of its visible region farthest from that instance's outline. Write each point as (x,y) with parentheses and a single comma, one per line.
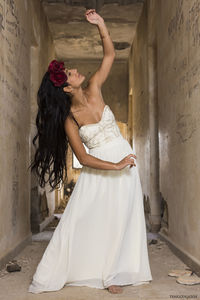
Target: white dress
(101,237)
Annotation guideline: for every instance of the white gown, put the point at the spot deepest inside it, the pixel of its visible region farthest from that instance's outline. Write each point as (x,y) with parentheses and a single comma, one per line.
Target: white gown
(101,237)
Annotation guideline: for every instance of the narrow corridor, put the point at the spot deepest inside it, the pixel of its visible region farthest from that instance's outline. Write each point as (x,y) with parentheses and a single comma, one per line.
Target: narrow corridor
(153,89)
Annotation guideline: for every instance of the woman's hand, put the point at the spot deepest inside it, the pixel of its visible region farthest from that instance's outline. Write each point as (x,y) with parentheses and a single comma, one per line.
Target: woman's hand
(92,17)
(127,160)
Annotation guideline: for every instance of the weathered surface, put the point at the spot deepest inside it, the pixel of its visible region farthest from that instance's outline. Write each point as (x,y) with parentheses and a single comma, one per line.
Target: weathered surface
(178,70)
(16,38)
(179,116)
(74,37)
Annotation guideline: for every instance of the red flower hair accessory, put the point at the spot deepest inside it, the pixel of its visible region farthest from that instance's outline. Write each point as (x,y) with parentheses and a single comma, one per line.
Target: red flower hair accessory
(57,74)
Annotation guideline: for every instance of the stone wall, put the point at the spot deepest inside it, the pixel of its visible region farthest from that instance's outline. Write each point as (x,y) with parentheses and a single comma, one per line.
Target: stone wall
(17,31)
(179,115)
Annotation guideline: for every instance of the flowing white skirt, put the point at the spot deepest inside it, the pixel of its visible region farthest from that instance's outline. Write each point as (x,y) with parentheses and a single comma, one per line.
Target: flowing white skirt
(101,237)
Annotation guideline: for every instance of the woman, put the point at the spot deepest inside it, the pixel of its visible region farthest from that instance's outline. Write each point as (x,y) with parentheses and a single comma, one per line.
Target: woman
(100,240)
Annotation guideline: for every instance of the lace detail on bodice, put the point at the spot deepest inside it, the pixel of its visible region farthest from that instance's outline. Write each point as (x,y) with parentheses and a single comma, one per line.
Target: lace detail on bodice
(97,134)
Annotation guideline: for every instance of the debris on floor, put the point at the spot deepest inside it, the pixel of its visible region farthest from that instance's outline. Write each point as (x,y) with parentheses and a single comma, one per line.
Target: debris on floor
(13,266)
(22,264)
(185,276)
(153,241)
(188,280)
(158,243)
(177,273)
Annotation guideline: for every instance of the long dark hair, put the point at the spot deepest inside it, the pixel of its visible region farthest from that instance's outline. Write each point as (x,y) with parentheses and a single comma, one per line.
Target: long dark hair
(49,162)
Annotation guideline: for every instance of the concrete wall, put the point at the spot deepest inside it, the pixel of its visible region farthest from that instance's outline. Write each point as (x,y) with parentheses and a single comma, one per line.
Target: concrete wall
(18,21)
(179,115)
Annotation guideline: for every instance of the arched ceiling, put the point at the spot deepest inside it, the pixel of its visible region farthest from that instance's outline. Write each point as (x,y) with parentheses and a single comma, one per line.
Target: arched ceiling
(75,38)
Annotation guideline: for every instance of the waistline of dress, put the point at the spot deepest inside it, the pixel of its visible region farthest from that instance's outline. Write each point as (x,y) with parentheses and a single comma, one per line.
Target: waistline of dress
(108,144)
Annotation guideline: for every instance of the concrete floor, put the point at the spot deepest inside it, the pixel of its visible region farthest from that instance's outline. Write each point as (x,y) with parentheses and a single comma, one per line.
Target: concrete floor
(162,260)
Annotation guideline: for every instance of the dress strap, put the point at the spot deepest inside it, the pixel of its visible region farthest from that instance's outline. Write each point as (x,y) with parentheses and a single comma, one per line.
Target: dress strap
(75,120)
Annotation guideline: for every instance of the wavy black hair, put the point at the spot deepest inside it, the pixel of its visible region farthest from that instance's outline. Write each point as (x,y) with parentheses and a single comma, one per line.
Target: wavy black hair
(49,162)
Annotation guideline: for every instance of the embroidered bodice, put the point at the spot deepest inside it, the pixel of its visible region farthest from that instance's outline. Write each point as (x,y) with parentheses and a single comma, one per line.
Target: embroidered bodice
(97,134)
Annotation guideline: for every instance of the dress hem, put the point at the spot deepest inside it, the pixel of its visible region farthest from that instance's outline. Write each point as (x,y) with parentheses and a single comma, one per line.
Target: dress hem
(105,287)
(43,289)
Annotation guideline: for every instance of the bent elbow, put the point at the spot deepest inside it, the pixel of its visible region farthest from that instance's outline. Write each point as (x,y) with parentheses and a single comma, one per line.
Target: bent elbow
(83,160)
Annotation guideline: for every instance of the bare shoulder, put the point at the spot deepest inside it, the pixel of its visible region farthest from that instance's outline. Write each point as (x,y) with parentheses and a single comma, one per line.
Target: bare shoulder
(69,122)
(71,128)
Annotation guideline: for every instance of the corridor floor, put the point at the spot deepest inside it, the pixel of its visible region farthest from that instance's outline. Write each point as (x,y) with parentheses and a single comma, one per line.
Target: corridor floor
(14,286)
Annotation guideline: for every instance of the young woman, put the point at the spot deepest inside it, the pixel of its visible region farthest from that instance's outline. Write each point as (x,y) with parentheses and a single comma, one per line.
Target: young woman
(100,240)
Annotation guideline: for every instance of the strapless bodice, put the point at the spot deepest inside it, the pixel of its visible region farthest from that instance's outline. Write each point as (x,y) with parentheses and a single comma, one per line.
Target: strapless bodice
(97,134)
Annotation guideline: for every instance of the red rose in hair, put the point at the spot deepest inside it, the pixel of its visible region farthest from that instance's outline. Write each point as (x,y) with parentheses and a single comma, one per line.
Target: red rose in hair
(56,66)
(57,74)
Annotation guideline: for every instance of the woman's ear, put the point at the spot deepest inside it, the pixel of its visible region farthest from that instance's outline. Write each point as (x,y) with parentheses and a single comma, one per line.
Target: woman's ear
(68,89)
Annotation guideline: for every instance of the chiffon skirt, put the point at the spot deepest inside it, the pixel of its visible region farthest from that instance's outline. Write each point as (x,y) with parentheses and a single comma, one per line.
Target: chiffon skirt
(101,237)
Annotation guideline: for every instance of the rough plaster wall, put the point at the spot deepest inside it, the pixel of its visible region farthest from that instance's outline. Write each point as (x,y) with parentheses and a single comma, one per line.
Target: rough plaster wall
(15,40)
(114,89)
(179,116)
(14,125)
(140,113)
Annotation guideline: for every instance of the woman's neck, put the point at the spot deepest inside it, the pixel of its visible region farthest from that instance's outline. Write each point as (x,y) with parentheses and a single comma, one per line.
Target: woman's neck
(79,99)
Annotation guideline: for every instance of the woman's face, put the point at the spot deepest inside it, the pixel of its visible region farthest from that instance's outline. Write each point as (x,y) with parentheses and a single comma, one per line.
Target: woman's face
(74,78)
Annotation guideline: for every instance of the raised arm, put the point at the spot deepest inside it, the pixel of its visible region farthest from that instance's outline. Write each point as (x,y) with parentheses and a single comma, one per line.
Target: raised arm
(86,159)
(108,49)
